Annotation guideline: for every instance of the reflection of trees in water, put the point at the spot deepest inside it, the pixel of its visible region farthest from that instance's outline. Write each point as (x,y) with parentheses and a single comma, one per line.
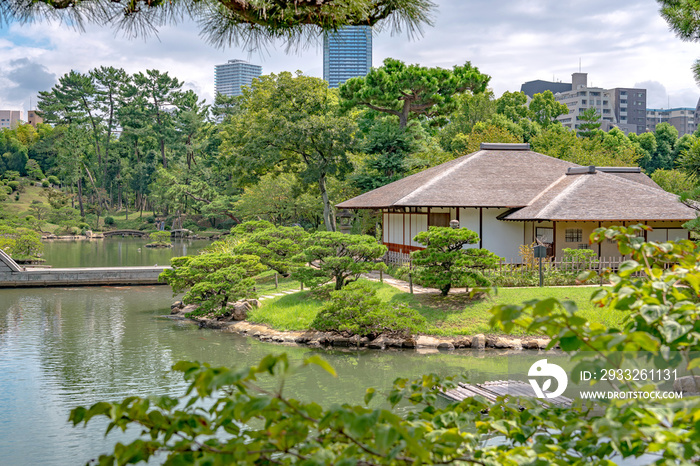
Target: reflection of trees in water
(110,342)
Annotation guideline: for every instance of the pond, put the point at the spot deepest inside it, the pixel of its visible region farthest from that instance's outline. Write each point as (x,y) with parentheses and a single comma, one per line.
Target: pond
(115,252)
(60,348)
(65,347)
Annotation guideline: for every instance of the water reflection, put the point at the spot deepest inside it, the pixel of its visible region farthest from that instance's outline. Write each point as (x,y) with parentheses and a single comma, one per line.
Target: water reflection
(60,348)
(115,252)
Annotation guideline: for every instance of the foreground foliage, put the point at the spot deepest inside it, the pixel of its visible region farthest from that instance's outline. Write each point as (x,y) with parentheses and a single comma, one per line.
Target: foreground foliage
(225,22)
(228,417)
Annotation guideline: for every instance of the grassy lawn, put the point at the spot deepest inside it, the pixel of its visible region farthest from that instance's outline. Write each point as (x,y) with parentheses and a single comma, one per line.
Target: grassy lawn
(30,194)
(452,315)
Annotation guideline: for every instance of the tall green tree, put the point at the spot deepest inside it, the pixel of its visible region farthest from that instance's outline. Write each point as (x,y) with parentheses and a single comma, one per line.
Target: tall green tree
(406,91)
(590,123)
(513,105)
(544,109)
(161,93)
(292,123)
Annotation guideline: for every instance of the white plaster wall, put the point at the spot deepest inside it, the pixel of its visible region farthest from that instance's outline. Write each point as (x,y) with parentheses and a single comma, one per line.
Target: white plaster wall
(502,238)
(661,235)
(658,235)
(418,223)
(396,228)
(385,224)
(469,218)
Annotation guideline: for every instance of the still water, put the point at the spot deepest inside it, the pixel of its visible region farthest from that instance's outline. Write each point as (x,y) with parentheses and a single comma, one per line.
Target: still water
(61,348)
(115,252)
(65,347)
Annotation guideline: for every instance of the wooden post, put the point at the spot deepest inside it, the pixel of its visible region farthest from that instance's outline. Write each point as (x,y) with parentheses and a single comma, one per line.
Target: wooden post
(381,276)
(410,277)
(276,281)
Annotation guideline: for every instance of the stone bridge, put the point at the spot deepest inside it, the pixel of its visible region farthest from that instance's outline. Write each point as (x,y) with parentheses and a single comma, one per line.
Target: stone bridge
(13,275)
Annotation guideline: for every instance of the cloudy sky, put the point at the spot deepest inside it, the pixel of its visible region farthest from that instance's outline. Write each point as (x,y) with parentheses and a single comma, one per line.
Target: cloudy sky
(621,43)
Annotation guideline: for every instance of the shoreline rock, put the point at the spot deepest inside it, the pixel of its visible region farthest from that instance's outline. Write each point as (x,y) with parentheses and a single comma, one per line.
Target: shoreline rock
(234,322)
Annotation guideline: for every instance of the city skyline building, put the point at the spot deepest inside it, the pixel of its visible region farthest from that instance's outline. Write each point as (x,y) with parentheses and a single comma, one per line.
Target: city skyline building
(347,53)
(682,118)
(10,118)
(231,76)
(620,107)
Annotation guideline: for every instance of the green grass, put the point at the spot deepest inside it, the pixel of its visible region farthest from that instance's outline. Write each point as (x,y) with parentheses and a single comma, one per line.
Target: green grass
(21,207)
(455,314)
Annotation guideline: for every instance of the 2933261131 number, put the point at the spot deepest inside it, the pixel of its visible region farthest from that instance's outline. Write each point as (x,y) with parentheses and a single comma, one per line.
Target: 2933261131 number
(652,375)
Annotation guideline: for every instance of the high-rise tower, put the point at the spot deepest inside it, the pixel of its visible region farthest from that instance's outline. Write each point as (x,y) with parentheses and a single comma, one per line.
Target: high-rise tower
(230,76)
(347,53)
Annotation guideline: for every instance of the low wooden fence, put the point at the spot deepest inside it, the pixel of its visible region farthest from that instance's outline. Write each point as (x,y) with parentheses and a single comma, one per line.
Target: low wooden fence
(510,273)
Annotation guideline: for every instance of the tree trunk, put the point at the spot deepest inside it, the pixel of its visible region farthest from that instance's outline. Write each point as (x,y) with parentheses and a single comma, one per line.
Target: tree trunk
(328,217)
(80,196)
(403,118)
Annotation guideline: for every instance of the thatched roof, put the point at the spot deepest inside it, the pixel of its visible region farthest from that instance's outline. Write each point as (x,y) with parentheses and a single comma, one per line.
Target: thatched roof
(507,175)
(534,186)
(602,196)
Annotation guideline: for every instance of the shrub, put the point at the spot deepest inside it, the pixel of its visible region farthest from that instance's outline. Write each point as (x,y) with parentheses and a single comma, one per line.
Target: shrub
(338,257)
(357,309)
(109,220)
(53,180)
(446,264)
(20,242)
(151,219)
(83,226)
(10,175)
(14,185)
(160,236)
(212,280)
(45,183)
(8,189)
(277,247)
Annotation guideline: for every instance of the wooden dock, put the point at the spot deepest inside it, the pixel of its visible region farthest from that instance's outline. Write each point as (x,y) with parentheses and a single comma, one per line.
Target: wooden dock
(496,388)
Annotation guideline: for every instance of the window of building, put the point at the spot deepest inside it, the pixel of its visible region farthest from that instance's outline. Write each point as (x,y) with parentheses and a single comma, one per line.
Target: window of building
(595,93)
(623,101)
(573,235)
(597,102)
(640,94)
(623,92)
(583,101)
(605,102)
(583,246)
(606,110)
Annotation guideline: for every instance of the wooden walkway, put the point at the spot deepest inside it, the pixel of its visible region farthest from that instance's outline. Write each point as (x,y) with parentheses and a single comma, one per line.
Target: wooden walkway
(494,389)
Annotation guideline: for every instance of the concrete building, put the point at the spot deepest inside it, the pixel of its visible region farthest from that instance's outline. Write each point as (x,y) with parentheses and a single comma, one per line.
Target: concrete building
(682,118)
(229,77)
(10,118)
(624,108)
(347,53)
(33,119)
(630,109)
(538,86)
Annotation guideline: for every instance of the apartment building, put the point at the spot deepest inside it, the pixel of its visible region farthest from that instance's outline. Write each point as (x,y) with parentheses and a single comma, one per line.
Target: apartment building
(10,118)
(684,119)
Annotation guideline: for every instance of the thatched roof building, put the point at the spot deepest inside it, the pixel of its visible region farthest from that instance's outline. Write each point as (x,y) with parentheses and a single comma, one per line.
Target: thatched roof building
(505,183)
